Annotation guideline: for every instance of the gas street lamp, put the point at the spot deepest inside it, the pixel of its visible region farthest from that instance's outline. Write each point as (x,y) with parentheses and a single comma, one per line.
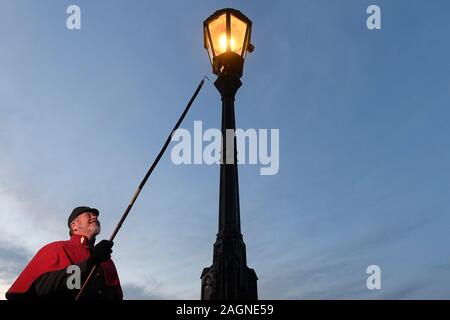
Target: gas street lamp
(227,35)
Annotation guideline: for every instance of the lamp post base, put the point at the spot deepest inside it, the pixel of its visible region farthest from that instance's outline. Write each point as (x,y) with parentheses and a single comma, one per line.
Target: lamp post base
(229,278)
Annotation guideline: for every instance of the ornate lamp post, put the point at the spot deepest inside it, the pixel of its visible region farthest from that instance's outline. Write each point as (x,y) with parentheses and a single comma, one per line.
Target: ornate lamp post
(227,39)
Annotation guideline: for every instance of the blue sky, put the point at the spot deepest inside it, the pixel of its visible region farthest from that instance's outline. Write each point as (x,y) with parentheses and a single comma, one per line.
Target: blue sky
(364,153)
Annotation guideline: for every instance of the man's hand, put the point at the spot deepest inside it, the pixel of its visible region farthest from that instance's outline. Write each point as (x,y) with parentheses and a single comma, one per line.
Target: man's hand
(101,252)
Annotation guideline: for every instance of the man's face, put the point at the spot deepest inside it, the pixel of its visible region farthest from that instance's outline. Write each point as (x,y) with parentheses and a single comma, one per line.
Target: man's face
(86,224)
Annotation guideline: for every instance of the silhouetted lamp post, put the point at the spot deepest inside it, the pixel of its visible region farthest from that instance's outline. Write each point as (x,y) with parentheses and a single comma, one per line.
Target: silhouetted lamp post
(227,39)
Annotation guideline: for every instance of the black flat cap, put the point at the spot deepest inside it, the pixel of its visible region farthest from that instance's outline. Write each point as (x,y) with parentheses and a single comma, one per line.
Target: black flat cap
(79,210)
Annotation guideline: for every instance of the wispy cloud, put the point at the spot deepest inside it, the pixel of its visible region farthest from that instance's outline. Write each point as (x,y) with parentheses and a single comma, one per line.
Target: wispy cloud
(12,260)
(139,292)
(338,271)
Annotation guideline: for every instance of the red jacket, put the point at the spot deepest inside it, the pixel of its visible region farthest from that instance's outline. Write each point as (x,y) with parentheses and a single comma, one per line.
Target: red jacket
(48,267)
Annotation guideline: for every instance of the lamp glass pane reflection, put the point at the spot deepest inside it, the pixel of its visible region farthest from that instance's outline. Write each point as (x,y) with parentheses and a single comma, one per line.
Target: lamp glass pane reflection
(218,31)
(238,33)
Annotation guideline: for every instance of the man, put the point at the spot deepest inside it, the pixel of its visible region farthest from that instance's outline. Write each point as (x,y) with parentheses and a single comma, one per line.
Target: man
(47,275)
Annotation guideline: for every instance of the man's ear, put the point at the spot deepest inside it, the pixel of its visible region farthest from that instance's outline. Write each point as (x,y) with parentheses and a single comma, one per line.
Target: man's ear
(72,225)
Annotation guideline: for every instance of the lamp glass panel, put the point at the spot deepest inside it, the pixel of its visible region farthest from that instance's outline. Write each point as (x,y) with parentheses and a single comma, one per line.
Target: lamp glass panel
(218,30)
(238,29)
(208,45)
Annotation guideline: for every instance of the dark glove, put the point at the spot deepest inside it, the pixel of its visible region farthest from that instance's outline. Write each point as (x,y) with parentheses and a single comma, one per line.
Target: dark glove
(101,252)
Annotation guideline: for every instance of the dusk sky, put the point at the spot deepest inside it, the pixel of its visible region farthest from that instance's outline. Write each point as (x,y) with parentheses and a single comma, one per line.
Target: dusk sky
(363,117)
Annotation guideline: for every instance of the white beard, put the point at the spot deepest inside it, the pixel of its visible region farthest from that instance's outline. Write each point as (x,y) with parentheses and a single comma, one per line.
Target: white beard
(95,229)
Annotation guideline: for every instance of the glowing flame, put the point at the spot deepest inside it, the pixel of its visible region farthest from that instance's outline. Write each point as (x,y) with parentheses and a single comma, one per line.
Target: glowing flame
(223,42)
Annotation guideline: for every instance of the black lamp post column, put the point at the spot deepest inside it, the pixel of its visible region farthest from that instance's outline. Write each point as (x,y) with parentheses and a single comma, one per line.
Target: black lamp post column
(229,212)
(229,278)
